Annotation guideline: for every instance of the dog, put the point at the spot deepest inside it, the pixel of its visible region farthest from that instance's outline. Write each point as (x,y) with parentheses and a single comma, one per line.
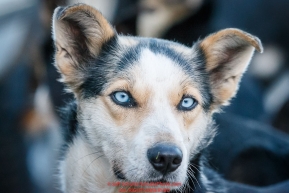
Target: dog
(143,107)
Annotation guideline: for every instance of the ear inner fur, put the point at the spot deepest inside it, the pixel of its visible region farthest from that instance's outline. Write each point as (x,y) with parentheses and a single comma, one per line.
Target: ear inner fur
(213,43)
(94,26)
(79,33)
(227,54)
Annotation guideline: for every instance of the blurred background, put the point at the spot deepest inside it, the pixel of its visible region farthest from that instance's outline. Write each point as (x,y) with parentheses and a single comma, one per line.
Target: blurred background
(253,144)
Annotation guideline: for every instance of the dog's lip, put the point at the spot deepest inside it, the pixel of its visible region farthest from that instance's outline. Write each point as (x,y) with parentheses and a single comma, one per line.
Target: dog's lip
(118,174)
(162,180)
(121,176)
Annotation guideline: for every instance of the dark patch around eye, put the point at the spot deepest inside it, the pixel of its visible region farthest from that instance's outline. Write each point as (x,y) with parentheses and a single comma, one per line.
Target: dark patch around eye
(98,71)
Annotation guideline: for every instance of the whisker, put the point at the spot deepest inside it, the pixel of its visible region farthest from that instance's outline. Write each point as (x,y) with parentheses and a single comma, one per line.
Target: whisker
(194,177)
(195,166)
(190,176)
(87,155)
(91,163)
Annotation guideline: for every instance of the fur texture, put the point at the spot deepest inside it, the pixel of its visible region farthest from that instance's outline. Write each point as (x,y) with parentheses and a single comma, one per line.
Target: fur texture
(108,138)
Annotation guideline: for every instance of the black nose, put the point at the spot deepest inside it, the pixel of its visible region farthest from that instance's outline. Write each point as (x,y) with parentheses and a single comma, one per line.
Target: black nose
(165,158)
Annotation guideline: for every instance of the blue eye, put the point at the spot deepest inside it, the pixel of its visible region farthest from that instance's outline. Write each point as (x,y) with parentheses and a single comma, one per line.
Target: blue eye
(123,98)
(187,104)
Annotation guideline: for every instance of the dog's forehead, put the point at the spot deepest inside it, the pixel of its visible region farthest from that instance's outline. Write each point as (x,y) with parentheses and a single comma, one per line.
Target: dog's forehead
(155,70)
(156,56)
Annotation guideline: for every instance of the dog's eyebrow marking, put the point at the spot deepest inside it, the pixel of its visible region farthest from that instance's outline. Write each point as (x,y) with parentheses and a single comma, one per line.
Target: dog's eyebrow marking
(159,47)
(132,54)
(130,57)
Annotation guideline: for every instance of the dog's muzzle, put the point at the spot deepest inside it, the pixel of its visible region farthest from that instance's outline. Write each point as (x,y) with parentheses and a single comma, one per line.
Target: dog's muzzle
(165,158)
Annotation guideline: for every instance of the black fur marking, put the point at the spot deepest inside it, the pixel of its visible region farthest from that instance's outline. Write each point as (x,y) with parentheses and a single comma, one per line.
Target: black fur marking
(69,123)
(206,77)
(161,47)
(130,57)
(98,70)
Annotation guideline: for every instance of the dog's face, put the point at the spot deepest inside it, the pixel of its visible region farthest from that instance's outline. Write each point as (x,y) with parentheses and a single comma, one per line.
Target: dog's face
(146,104)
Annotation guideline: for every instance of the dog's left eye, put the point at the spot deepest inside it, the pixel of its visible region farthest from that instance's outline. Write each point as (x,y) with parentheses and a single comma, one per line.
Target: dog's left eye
(123,98)
(187,104)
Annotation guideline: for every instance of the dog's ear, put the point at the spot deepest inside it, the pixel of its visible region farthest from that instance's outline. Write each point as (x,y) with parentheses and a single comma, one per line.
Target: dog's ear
(227,54)
(79,32)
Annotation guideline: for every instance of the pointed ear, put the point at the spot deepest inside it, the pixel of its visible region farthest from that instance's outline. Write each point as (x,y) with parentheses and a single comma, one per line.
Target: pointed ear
(227,54)
(79,32)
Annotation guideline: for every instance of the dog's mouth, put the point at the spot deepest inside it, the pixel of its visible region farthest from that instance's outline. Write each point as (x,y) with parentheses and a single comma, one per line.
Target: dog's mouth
(118,173)
(162,180)
(120,176)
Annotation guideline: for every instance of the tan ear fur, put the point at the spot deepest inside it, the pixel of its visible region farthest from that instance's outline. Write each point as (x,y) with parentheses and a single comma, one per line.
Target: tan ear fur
(79,32)
(228,54)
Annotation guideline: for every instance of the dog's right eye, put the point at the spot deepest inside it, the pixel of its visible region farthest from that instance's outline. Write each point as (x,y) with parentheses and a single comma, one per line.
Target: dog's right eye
(123,98)
(187,103)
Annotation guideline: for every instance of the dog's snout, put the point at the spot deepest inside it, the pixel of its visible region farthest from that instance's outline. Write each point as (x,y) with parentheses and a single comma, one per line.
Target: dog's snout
(165,158)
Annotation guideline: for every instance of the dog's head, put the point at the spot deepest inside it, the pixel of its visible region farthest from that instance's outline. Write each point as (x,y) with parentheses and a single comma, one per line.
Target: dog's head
(146,103)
